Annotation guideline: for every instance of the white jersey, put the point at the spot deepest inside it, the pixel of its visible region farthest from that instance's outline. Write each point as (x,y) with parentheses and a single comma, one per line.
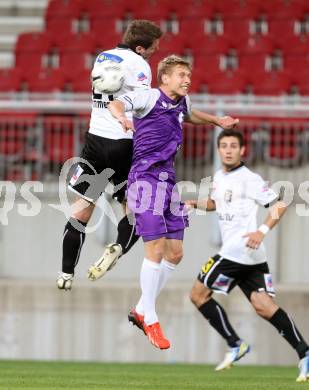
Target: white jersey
(137,75)
(237,194)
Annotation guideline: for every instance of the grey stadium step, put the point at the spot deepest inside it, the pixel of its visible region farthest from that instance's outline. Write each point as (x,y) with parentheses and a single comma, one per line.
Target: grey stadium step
(23,7)
(18,16)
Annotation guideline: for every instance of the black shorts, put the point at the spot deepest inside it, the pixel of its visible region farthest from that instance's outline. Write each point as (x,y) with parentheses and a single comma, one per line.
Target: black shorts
(106,160)
(222,275)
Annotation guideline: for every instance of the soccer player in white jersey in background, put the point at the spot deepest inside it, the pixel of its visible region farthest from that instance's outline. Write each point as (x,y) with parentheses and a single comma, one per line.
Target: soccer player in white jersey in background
(242,260)
(108,146)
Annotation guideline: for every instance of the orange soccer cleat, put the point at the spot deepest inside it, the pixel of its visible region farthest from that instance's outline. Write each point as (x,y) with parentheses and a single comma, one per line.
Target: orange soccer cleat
(156,336)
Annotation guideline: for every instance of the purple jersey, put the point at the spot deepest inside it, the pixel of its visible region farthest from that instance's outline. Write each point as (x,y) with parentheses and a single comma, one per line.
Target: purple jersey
(158,126)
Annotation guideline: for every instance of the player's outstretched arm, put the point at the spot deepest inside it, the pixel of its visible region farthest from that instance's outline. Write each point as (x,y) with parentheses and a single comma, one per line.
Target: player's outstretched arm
(198,118)
(275,214)
(206,204)
(117,109)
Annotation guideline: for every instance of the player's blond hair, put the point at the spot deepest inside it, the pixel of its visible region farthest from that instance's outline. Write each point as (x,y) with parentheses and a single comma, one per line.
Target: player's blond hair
(166,65)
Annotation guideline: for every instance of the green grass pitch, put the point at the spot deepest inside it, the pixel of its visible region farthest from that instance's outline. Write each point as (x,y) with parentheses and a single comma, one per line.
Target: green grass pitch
(60,376)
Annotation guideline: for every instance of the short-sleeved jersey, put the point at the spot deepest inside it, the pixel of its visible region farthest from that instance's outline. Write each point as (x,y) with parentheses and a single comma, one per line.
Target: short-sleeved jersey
(157,121)
(137,76)
(237,194)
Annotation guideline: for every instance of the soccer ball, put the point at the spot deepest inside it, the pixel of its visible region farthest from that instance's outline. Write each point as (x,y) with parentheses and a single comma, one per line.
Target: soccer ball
(107,77)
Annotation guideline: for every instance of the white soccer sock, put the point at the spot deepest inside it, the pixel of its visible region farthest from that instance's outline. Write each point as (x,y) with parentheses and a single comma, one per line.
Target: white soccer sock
(166,269)
(165,272)
(149,279)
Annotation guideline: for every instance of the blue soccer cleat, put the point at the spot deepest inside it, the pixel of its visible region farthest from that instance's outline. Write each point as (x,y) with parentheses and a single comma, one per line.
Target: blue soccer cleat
(233,355)
(303,370)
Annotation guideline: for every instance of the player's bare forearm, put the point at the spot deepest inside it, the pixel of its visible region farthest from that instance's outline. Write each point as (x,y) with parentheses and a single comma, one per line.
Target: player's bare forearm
(276,212)
(206,204)
(198,118)
(117,109)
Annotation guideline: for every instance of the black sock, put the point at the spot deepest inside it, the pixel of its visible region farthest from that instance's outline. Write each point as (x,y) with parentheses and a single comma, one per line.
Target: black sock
(73,240)
(286,327)
(126,235)
(217,318)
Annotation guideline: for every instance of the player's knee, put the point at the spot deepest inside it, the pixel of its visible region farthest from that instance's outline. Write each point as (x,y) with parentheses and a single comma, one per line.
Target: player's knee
(199,296)
(175,256)
(194,297)
(158,252)
(82,210)
(261,306)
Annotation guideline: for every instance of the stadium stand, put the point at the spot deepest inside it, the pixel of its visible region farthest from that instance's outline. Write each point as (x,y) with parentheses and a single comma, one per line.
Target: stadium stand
(241,48)
(254,29)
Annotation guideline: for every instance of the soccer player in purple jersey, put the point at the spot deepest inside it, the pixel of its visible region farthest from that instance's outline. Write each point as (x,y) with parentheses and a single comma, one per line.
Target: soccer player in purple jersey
(152,196)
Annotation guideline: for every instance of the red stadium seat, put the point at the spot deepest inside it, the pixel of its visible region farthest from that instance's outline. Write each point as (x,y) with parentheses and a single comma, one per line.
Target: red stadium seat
(197,143)
(29,50)
(105,31)
(227,83)
(256,44)
(294,45)
(58,141)
(67,9)
(301,77)
(16,144)
(249,127)
(304,88)
(191,29)
(229,9)
(283,142)
(72,63)
(214,44)
(46,80)
(269,8)
(54,25)
(78,42)
(107,10)
(153,11)
(253,64)
(31,47)
(287,10)
(281,29)
(206,63)
(170,43)
(271,83)
(82,82)
(10,79)
(297,63)
(236,31)
(32,41)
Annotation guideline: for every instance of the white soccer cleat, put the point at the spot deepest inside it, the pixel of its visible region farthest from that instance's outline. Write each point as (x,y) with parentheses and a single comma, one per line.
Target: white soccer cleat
(65,281)
(233,355)
(303,370)
(106,262)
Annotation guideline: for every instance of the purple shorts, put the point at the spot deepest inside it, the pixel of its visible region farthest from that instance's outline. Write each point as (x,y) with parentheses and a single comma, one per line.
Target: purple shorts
(154,199)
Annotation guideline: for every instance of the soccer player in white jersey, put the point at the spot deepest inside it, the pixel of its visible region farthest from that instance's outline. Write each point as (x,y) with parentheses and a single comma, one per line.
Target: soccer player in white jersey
(107,146)
(242,261)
